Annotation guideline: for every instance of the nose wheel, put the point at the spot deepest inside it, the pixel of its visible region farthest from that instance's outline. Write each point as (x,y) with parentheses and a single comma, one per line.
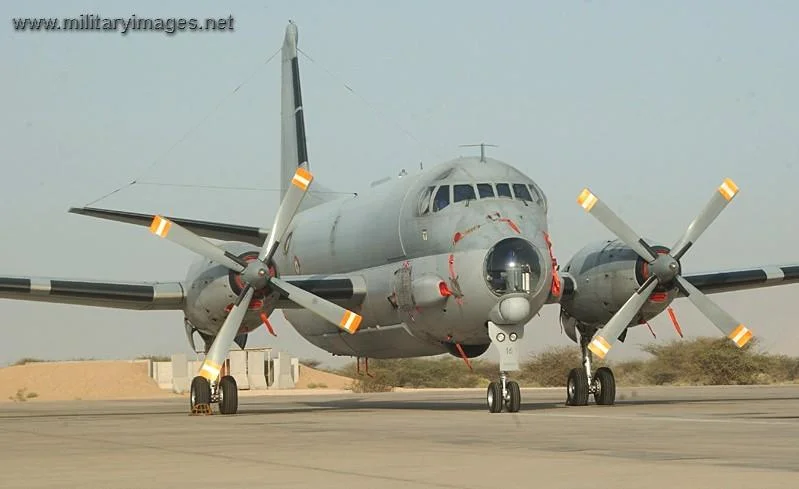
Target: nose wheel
(508,397)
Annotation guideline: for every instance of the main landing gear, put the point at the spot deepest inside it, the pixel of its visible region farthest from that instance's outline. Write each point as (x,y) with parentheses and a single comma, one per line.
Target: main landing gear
(505,393)
(225,392)
(580,383)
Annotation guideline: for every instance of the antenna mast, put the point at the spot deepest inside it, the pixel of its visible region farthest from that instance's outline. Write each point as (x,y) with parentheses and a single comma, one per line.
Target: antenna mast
(482,149)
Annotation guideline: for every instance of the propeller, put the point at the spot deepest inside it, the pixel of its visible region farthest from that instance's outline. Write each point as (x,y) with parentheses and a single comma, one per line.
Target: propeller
(665,269)
(256,275)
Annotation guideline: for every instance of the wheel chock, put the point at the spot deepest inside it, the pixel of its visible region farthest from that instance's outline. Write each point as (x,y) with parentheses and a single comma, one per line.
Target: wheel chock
(201,409)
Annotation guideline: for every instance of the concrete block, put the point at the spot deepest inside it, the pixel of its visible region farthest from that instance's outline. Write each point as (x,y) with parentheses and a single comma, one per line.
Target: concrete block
(256,373)
(238,368)
(283,377)
(194,367)
(295,369)
(181,381)
(162,374)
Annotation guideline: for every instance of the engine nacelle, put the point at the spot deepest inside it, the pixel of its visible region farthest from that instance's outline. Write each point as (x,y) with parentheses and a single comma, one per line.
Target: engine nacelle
(605,275)
(211,290)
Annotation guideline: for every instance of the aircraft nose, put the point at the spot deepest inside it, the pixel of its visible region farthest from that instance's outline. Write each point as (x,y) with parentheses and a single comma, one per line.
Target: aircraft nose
(513,265)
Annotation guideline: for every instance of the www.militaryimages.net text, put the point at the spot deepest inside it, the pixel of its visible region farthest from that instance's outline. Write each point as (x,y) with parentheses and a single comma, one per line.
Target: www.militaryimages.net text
(122,25)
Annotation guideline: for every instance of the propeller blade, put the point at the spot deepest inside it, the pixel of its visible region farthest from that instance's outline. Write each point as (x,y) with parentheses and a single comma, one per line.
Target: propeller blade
(674,321)
(604,338)
(737,332)
(606,216)
(344,319)
(288,208)
(724,194)
(219,348)
(177,234)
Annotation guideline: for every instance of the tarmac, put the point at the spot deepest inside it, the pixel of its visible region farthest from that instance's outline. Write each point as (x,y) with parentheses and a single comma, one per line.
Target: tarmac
(688,437)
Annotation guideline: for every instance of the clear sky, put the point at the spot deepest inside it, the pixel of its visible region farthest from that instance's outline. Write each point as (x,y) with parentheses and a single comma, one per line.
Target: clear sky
(650,104)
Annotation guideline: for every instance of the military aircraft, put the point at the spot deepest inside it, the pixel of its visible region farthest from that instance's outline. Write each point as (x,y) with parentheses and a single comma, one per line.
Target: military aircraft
(450,260)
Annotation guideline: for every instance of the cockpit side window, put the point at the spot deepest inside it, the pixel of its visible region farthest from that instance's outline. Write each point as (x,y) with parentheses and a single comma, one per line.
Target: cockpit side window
(522,192)
(485,190)
(503,190)
(463,192)
(441,199)
(538,195)
(424,201)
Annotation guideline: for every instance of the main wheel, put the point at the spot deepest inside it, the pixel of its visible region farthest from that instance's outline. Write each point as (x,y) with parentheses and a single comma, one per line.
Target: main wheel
(514,397)
(200,392)
(494,397)
(228,395)
(577,388)
(605,387)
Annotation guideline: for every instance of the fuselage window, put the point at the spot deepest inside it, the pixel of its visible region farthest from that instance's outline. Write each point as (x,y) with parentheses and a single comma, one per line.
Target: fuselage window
(463,192)
(441,199)
(522,192)
(503,190)
(424,201)
(485,190)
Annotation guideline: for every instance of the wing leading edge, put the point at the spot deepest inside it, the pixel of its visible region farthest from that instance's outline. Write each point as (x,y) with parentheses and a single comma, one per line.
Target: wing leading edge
(744,278)
(142,296)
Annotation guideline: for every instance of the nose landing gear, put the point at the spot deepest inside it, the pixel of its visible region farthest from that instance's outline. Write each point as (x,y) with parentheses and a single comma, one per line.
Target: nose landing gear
(505,394)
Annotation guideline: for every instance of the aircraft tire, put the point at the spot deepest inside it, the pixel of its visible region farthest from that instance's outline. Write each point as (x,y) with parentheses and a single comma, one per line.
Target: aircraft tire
(605,394)
(515,397)
(494,397)
(228,395)
(200,392)
(577,388)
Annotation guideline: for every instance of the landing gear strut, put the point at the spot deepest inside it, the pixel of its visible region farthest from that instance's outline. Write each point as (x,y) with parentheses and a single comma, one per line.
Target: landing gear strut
(204,393)
(505,393)
(580,383)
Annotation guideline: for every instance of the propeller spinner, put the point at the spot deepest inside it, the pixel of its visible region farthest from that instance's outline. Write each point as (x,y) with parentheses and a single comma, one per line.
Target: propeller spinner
(664,269)
(255,274)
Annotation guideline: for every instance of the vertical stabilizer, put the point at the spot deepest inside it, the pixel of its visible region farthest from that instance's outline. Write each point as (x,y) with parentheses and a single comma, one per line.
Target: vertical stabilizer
(293,151)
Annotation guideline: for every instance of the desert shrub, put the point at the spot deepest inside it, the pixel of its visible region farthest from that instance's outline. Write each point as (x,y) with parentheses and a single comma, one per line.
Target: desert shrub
(23,361)
(418,373)
(310,362)
(631,372)
(711,361)
(700,361)
(155,358)
(550,367)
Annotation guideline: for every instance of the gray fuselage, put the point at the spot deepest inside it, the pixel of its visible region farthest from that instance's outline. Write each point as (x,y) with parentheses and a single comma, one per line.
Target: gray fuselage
(426,262)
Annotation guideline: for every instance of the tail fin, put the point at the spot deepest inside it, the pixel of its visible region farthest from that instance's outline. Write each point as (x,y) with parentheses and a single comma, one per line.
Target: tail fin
(293,151)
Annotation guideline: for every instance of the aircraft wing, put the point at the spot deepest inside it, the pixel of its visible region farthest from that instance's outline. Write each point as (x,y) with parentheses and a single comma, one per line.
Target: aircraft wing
(162,296)
(744,278)
(207,229)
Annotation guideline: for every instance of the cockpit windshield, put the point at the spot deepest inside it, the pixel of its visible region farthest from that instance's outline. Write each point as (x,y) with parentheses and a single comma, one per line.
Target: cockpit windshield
(437,198)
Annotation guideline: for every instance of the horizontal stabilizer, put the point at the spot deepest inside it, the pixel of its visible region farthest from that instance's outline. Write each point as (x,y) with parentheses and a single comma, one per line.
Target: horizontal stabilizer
(164,296)
(207,229)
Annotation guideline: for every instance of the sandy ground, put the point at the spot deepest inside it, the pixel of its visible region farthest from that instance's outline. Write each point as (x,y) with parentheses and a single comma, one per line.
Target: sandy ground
(311,378)
(64,381)
(109,380)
